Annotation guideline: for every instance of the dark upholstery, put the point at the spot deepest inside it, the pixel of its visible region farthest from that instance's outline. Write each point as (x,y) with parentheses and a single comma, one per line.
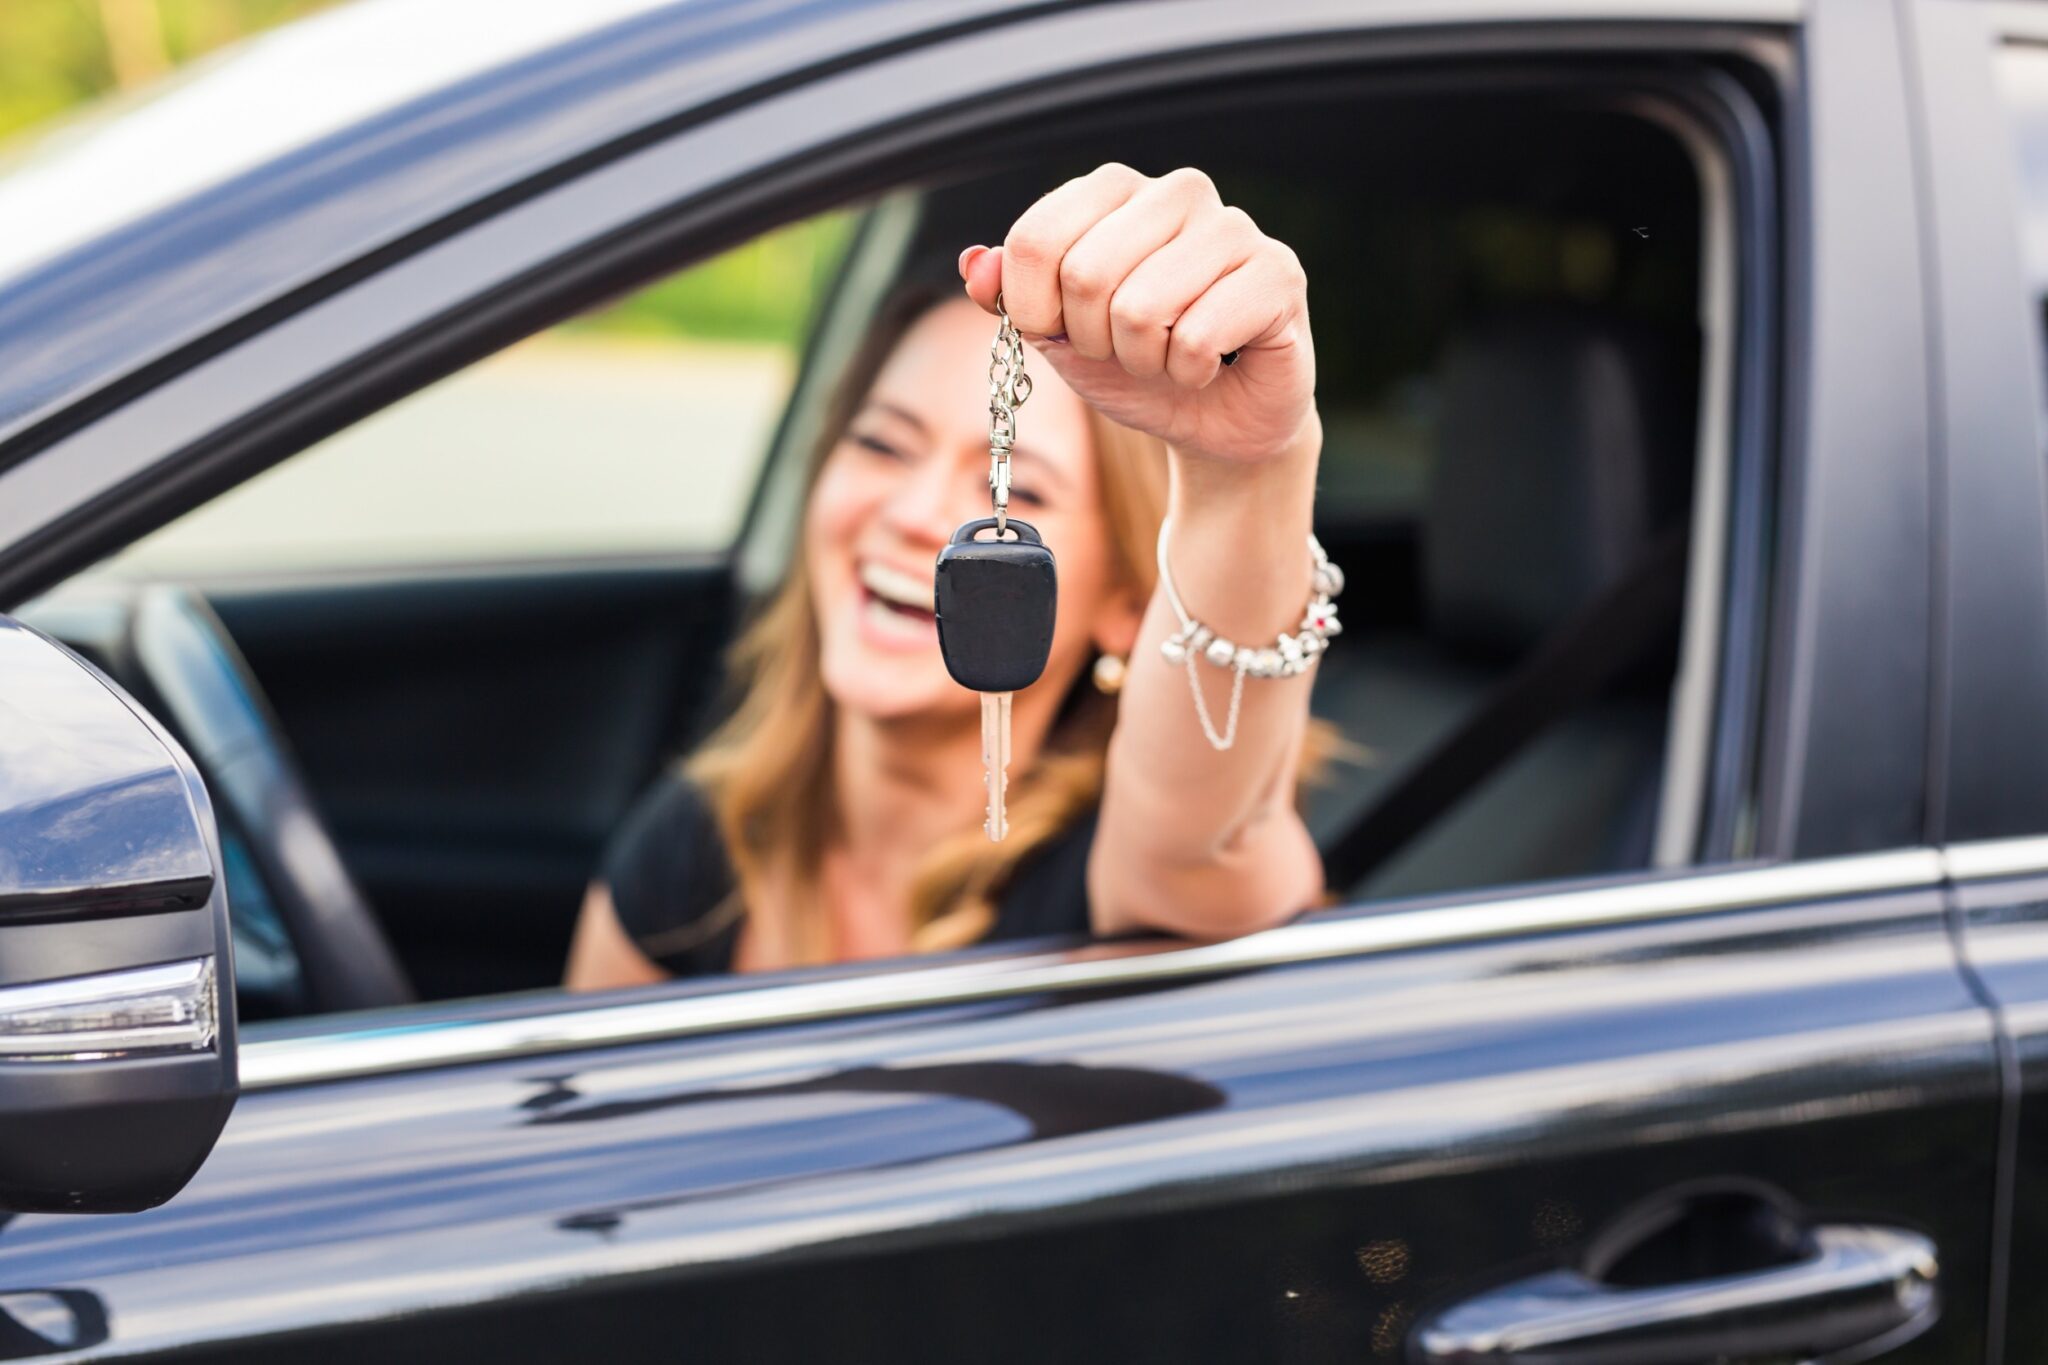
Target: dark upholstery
(1558,441)
(1563,447)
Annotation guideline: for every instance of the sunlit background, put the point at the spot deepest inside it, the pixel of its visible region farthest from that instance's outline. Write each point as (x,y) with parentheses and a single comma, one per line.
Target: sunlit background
(56,55)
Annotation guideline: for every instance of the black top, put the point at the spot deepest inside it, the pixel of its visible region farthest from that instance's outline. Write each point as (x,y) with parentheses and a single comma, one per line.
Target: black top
(672,884)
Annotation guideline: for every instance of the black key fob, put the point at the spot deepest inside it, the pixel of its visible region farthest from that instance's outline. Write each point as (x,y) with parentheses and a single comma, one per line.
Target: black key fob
(995,601)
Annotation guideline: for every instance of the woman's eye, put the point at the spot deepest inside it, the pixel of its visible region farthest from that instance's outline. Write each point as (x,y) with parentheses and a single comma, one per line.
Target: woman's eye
(877,445)
(1025,496)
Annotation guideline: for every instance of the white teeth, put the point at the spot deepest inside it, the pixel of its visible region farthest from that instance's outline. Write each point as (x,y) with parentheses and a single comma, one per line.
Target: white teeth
(894,585)
(893,622)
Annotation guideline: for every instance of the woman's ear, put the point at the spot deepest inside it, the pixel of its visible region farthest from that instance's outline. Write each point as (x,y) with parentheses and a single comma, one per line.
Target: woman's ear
(1117,623)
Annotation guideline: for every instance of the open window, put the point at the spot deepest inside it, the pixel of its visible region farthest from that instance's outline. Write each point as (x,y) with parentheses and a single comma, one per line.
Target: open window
(478,622)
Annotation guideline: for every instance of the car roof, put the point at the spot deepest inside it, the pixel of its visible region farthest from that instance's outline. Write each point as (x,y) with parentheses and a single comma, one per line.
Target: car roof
(271,170)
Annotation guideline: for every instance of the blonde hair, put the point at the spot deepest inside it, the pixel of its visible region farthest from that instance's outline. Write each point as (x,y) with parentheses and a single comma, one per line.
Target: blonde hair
(766,771)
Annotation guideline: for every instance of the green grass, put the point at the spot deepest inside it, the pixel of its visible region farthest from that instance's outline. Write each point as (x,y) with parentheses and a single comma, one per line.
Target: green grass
(764,291)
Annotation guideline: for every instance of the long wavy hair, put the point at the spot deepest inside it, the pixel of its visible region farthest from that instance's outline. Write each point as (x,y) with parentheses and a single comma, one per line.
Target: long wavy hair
(766,771)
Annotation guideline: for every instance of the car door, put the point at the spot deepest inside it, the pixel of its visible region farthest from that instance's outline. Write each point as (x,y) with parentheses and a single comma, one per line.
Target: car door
(1636,1101)
(1984,91)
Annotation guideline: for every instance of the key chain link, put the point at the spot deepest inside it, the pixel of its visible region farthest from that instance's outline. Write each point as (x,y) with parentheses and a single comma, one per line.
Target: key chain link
(1008,387)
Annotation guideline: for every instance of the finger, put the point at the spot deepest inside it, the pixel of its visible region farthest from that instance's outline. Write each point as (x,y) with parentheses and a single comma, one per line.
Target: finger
(981,267)
(1150,301)
(1250,308)
(1038,242)
(1096,266)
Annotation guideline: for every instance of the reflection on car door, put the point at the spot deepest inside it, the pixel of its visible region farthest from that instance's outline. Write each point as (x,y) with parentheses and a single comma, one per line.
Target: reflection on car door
(1288,1163)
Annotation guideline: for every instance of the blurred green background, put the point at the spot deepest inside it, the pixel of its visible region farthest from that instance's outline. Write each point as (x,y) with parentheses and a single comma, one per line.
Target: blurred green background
(58,55)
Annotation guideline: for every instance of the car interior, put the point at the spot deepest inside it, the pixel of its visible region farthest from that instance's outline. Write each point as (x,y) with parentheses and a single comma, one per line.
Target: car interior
(416,767)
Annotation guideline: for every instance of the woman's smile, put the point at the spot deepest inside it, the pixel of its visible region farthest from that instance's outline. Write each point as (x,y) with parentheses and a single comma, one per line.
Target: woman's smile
(896,607)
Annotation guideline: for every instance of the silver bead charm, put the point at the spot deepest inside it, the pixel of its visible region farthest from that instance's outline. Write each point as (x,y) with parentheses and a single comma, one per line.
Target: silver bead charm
(1292,653)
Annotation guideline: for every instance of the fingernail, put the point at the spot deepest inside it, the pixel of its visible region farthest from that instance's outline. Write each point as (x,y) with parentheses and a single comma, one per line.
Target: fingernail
(968,257)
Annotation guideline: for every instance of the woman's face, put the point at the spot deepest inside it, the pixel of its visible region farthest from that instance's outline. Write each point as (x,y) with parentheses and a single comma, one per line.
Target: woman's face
(910,467)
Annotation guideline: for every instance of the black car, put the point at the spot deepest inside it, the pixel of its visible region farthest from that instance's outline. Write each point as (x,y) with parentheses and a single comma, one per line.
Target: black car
(1686,991)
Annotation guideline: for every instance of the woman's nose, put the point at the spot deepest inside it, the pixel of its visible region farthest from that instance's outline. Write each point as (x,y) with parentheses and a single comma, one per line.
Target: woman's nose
(932,497)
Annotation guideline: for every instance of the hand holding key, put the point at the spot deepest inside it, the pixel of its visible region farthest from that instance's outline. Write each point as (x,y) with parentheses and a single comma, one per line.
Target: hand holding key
(1172,314)
(1169,313)
(1135,288)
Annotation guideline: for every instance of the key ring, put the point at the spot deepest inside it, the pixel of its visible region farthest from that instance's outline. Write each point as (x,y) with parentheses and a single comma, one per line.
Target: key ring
(1008,387)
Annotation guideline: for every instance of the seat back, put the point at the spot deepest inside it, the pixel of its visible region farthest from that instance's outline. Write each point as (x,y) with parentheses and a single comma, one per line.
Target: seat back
(1562,451)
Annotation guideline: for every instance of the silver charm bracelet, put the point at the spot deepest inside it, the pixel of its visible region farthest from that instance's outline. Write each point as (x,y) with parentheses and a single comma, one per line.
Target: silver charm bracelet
(1292,652)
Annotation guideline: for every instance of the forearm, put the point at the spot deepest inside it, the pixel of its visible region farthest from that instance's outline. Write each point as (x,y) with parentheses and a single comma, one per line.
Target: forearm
(1206,841)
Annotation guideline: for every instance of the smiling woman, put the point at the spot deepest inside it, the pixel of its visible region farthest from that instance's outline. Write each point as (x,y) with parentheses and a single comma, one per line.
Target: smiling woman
(835,815)
(907,453)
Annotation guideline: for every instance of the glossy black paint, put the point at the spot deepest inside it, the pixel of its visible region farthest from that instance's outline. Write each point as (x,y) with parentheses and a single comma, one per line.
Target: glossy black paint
(2005,933)
(1285,1165)
(1991,740)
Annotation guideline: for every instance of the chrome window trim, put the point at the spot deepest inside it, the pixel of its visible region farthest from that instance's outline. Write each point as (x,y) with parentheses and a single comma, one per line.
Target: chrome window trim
(1979,860)
(367,1047)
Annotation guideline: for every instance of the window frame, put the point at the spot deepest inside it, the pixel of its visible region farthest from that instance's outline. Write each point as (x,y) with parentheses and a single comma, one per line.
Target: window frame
(536,261)
(1988,782)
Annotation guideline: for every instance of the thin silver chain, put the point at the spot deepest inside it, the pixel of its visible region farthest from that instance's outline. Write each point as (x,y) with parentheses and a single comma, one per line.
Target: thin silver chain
(1229,736)
(1008,387)
(1292,654)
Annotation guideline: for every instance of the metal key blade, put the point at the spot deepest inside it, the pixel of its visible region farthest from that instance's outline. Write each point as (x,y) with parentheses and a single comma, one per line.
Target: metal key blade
(995,757)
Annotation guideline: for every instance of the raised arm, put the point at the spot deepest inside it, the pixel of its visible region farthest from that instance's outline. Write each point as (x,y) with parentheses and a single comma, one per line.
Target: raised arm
(1135,289)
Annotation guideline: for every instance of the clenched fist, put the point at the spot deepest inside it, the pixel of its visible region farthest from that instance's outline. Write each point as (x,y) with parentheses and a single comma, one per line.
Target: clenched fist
(1135,288)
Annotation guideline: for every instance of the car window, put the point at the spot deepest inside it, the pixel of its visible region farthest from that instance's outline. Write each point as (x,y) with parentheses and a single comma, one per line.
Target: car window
(636,429)
(1512,311)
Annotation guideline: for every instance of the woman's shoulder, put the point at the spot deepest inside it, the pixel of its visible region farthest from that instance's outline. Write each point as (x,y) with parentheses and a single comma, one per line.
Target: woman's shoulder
(671,883)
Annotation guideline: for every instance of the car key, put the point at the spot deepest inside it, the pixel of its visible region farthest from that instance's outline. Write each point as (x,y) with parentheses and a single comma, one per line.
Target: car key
(995,599)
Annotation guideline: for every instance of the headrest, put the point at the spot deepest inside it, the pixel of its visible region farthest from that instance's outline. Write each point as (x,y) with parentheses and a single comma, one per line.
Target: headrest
(1561,452)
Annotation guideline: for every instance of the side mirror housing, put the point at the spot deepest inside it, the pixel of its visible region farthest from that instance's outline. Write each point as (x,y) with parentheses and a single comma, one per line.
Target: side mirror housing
(117,1028)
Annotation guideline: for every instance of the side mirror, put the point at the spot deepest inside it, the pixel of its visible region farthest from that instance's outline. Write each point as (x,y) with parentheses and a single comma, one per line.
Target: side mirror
(117,1027)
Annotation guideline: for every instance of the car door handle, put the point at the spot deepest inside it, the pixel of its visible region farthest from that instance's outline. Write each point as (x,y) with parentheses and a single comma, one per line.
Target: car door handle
(1861,1291)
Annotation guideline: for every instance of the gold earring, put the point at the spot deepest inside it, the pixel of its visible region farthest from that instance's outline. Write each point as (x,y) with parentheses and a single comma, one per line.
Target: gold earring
(1109,674)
